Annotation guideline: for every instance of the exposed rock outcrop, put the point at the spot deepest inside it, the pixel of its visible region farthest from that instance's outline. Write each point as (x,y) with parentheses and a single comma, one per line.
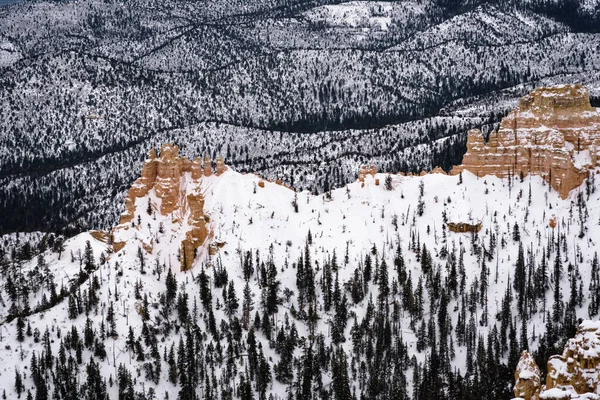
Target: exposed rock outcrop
(175,182)
(363,171)
(207,167)
(577,370)
(574,374)
(527,378)
(554,132)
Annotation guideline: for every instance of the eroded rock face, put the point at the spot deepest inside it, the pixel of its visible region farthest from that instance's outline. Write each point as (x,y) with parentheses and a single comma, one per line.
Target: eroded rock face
(527,378)
(175,181)
(554,132)
(364,171)
(207,167)
(577,370)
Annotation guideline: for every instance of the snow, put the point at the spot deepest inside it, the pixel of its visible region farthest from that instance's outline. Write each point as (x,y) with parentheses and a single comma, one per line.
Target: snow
(8,53)
(582,159)
(554,393)
(527,374)
(364,14)
(250,218)
(589,325)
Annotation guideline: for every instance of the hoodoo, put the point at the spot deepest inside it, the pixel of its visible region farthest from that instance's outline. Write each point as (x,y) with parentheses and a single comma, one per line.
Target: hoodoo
(573,374)
(527,378)
(554,132)
(172,185)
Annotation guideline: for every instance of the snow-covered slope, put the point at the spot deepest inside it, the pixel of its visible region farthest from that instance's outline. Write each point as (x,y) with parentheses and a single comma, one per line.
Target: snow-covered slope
(396,221)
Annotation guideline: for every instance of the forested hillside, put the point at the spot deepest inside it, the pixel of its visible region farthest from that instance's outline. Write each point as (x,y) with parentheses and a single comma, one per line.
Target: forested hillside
(362,292)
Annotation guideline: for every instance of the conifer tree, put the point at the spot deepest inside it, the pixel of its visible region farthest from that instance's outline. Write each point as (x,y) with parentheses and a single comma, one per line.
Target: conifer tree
(20,329)
(88,257)
(520,280)
(247,306)
(232,300)
(339,372)
(594,288)
(19,387)
(171,284)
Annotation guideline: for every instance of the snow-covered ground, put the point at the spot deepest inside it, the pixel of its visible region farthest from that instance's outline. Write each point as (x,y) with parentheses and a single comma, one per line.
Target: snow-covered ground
(365,14)
(353,220)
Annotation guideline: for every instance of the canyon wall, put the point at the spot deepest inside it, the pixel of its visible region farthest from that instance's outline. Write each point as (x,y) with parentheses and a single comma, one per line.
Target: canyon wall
(554,132)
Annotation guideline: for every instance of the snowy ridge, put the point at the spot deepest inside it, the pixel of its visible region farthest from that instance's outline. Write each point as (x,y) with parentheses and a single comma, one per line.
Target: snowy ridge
(347,224)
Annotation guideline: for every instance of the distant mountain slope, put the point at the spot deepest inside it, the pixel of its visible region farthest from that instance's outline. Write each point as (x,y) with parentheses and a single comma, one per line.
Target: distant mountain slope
(88,86)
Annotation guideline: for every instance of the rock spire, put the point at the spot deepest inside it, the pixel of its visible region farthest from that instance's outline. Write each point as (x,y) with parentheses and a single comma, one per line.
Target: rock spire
(173,187)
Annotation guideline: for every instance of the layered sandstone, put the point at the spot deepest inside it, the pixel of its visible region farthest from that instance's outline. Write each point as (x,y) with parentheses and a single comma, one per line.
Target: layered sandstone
(577,369)
(364,171)
(175,183)
(572,375)
(554,132)
(197,233)
(527,378)
(220,166)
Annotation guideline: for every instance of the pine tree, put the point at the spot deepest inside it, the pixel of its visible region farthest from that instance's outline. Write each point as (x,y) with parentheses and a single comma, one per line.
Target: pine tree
(173,373)
(339,372)
(513,353)
(384,287)
(247,306)
(41,392)
(112,324)
(367,271)
(232,300)
(205,292)
(88,257)
(340,321)
(271,302)
(388,182)
(557,306)
(594,288)
(95,387)
(516,233)
(263,375)
(171,284)
(248,268)
(20,329)
(520,280)
(142,260)
(426,260)
(19,387)
(307,373)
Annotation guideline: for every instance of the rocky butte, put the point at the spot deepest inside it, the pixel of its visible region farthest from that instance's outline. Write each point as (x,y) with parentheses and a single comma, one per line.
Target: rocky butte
(554,132)
(172,186)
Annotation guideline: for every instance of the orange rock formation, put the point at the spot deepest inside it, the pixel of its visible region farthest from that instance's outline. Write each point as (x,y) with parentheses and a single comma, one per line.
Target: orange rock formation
(554,132)
(364,171)
(574,374)
(207,167)
(527,378)
(164,174)
(578,368)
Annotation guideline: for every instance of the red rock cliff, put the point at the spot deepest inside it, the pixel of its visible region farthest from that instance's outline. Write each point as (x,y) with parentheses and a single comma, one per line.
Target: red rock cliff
(175,181)
(554,132)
